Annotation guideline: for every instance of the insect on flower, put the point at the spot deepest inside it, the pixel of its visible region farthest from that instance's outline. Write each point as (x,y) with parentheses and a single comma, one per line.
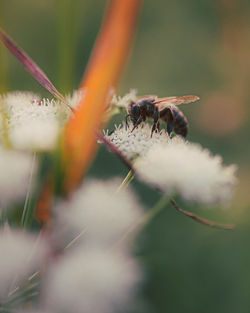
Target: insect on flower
(164,109)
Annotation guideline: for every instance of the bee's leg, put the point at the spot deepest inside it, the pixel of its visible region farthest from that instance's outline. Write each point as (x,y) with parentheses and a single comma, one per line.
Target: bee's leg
(170,127)
(138,122)
(170,121)
(158,125)
(156,117)
(126,120)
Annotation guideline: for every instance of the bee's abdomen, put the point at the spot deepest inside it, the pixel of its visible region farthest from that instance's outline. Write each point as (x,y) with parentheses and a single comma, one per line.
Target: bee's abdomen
(180,122)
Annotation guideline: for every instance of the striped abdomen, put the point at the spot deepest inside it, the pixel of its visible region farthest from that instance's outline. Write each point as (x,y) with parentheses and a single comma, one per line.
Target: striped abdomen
(175,119)
(180,122)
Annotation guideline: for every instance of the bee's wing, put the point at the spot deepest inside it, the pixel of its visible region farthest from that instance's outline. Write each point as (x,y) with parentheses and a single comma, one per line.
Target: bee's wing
(147,97)
(163,102)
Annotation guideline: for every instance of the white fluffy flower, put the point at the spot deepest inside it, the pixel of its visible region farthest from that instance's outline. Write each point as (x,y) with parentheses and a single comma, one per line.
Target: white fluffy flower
(119,104)
(21,255)
(35,135)
(15,169)
(75,98)
(97,210)
(123,102)
(34,123)
(90,281)
(133,145)
(188,169)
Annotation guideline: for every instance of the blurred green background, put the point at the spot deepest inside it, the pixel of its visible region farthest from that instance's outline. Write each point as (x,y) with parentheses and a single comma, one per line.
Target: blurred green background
(182,47)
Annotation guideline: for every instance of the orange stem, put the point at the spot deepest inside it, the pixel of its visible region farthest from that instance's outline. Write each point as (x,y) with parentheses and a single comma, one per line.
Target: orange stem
(45,201)
(105,67)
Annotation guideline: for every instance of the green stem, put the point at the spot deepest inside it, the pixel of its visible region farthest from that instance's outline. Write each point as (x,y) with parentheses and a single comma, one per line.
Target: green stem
(144,221)
(127,180)
(21,293)
(27,210)
(66,10)
(157,208)
(23,299)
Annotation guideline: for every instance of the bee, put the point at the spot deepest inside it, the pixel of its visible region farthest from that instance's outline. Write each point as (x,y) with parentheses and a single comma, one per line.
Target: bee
(160,109)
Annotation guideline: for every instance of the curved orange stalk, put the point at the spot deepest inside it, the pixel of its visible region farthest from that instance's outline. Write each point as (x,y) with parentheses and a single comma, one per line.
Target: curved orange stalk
(105,66)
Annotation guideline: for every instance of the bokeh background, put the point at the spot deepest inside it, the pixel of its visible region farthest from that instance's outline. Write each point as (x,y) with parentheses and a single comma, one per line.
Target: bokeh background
(181,47)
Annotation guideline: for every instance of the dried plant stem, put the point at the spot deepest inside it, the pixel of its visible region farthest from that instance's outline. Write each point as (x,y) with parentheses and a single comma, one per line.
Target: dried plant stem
(3,54)
(202,220)
(30,65)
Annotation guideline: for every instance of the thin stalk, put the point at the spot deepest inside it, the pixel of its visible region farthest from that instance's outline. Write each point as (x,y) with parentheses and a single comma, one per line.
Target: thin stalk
(34,275)
(76,238)
(23,299)
(202,220)
(157,208)
(127,180)
(27,211)
(143,221)
(22,293)
(67,10)
(19,289)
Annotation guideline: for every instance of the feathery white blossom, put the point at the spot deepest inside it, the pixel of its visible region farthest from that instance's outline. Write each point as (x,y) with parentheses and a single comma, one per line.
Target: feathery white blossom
(119,104)
(90,280)
(99,211)
(188,169)
(123,102)
(136,144)
(34,123)
(15,170)
(21,254)
(75,98)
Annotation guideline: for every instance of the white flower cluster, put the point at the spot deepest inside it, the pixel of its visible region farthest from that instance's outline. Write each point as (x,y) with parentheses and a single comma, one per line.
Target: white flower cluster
(33,123)
(98,210)
(176,166)
(119,104)
(136,144)
(21,255)
(122,102)
(96,274)
(15,170)
(74,99)
(188,169)
(28,123)
(90,280)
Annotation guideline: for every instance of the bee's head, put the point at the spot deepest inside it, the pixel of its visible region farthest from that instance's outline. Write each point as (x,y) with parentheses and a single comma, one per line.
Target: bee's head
(135,112)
